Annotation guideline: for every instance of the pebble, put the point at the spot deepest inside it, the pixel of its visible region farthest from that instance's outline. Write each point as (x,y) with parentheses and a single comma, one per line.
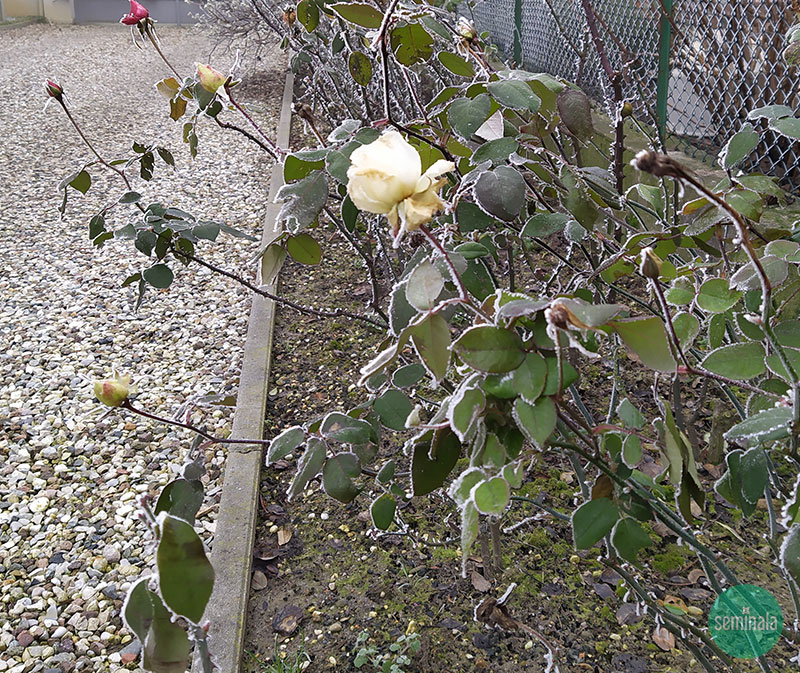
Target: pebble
(70,540)
(336,627)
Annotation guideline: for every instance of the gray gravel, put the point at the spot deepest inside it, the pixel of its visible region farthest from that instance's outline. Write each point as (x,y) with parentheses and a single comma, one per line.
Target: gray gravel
(70,544)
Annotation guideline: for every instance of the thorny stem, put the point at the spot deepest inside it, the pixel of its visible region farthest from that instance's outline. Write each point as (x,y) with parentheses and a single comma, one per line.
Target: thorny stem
(248,135)
(154,41)
(300,308)
(188,426)
(94,151)
(277,152)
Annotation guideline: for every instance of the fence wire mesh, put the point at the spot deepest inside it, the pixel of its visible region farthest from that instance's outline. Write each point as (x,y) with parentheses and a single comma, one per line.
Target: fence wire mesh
(725,60)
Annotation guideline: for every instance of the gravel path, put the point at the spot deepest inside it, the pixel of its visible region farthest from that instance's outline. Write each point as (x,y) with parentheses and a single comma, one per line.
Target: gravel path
(70,544)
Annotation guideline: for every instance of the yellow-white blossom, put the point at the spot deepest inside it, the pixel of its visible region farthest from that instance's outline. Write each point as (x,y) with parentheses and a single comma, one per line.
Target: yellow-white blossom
(386,178)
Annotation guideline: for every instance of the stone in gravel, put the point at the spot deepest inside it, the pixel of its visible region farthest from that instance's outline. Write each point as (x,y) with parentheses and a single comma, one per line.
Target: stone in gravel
(336,627)
(111,554)
(259,581)
(39,504)
(24,638)
(129,653)
(110,591)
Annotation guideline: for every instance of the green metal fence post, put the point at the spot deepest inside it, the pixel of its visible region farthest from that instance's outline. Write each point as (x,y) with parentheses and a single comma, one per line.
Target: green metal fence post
(665,45)
(518,33)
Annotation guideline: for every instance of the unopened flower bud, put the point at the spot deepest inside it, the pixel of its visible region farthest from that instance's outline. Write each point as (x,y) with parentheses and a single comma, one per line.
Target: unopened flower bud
(210,79)
(112,392)
(466,29)
(627,110)
(289,15)
(650,264)
(53,89)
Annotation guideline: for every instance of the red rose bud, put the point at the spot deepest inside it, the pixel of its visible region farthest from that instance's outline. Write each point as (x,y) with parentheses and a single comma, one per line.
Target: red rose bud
(53,89)
(112,392)
(210,79)
(138,13)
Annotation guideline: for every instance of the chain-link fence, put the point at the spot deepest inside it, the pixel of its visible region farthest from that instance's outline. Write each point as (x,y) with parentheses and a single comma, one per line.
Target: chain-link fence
(724,60)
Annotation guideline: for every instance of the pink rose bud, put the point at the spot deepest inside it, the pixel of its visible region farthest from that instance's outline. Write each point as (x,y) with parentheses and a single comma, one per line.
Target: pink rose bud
(112,392)
(138,13)
(53,89)
(210,79)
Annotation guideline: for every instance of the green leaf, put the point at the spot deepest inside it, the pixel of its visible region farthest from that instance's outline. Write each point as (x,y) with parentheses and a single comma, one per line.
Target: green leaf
(770,112)
(577,201)
(681,292)
(491,496)
(299,165)
(424,286)
(647,338)
(687,327)
(340,427)
(765,426)
(592,521)
(501,192)
(467,114)
(515,94)
(568,376)
(628,537)
(304,249)
(631,451)
(433,461)
(789,127)
(589,315)
(790,553)
(576,113)
(130,197)
(137,612)
(755,474)
(537,421)
(471,218)
(82,182)
(271,262)
(302,201)
(166,647)
(208,231)
(740,362)
(358,13)
(462,485)
(456,64)
(360,67)
(748,277)
(97,225)
(746,202)
(337,163)
(286,442)
(382,511)
(308,466)
(629,414)
(495,150)
(490,349)
(408,375)
(145,241)
(338,474)
(386,473)
(471,250)
(159,276)
(788,333)
(308,14)
(431,339)
(543,225)
(184,572)
(465,406)
(393,408)
(411,44)
(181,498)
(739,147)
(776,366)
(530,377)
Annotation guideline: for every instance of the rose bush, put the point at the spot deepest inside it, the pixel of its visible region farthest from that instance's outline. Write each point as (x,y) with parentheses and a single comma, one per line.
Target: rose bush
(540,249)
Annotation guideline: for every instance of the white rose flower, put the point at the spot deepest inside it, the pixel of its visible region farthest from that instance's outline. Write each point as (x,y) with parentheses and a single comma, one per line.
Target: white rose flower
(385,177)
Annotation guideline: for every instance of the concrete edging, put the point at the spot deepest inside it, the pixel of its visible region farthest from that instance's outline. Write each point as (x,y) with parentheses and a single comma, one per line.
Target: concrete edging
(232,551)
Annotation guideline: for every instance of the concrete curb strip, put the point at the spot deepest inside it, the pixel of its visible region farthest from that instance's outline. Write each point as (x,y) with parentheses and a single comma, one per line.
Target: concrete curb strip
(232,551)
